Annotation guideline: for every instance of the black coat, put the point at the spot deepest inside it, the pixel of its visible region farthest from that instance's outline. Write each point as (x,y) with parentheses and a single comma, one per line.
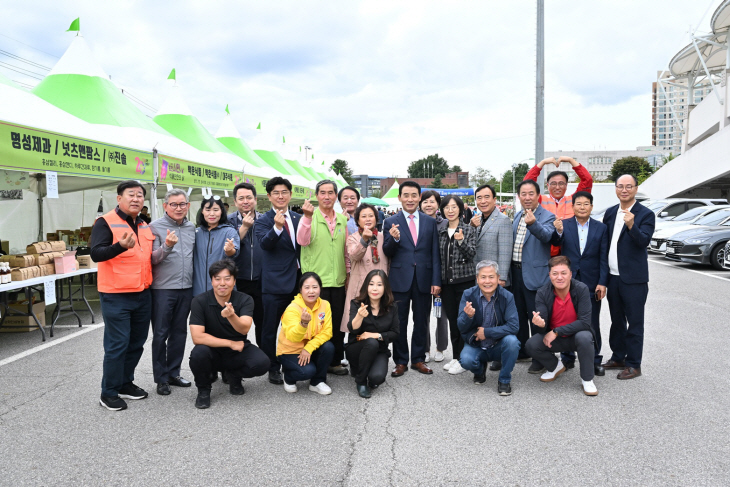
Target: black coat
(388,324)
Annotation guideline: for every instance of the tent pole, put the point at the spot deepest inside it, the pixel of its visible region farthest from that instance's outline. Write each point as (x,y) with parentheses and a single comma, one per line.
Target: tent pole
(153,195)
(40,176)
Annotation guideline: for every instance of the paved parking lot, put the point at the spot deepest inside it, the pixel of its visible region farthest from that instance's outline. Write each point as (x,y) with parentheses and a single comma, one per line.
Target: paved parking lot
(668,427)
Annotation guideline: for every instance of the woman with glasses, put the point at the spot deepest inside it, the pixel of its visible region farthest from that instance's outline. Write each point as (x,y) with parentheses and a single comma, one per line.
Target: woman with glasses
(215,239)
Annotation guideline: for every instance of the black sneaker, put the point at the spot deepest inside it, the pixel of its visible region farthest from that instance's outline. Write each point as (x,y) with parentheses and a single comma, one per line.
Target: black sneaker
(163,389)
(504,389)
(536,368)
(112,403)
(569,364)
(131,391)
(236,387)
(203,399)
(496,365)
(480,378)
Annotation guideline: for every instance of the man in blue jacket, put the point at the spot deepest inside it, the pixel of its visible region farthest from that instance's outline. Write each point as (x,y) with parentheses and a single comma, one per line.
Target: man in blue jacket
(488,323)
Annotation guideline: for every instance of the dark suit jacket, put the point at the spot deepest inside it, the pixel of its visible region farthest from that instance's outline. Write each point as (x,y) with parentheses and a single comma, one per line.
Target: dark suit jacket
(279,257)
(633,258)
(536,248)
(591,267)
(406,258)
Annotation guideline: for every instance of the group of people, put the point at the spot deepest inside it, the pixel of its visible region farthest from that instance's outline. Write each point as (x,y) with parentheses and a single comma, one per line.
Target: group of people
(329,292)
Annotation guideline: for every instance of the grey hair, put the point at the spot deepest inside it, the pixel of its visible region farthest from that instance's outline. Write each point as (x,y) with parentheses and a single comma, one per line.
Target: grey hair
(488,263)
(176,192)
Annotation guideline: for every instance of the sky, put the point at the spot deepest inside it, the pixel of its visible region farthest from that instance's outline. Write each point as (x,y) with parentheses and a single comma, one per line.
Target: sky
(380,83)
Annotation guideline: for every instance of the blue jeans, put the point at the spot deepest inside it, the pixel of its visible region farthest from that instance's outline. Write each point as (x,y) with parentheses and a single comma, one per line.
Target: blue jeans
(126,324)
(315,371)
(475,359)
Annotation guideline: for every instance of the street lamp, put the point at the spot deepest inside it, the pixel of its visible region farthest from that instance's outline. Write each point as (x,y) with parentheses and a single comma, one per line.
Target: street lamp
(514,190)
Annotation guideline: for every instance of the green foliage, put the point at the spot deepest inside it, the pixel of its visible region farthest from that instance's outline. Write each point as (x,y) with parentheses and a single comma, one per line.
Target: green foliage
(668,158)
(341,167)
(377,193)
(428,167)
(520,172)
(437,182)
(482,176)
(631,165)
(456,169)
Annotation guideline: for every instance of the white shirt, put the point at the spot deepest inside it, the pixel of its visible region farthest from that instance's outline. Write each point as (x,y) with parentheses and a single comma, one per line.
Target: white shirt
(582,234)
(408,221)
(618,226)
(291,228)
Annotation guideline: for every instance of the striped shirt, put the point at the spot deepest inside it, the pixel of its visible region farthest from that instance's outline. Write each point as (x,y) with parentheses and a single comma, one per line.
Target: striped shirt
(519,239)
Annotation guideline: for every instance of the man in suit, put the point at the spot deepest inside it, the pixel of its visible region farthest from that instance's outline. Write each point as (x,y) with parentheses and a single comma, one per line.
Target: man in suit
(630,227)
(411,243)
(533,232)
(585,243)
(280,268)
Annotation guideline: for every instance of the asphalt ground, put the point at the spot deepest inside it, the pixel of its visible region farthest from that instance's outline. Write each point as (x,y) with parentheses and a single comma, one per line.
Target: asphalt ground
(668,427)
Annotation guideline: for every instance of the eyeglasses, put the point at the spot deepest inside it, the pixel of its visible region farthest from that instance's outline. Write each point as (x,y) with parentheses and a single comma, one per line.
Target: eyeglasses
(276,194)
(628,187)
(175,206)
(559,184)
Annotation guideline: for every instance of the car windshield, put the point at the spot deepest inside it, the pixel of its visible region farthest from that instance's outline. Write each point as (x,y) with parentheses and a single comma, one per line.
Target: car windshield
(713,218)
(690,215)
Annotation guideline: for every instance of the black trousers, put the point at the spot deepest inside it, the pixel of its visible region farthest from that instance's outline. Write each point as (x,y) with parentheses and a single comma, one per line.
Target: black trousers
(249,362)
(525,304)
(274,307)
(170,310)
(451,298)
(253,289)
(582,342)
(626,303)
(421,305)
(336,297)
(369,361)
(596,324)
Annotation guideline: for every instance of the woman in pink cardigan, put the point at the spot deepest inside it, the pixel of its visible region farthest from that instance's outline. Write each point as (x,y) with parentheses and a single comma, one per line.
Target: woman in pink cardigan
(365,248)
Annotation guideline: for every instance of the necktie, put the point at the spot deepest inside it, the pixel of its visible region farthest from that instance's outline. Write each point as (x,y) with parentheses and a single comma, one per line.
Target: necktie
(286,227)
(412,227)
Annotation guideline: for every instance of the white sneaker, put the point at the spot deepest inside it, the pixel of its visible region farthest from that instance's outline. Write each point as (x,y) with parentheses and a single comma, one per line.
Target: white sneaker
(439,357)
(589,388)
(290,388)
(456,368)
(344,362)
(428,357)
(321,388)
(551,376)
(449,364)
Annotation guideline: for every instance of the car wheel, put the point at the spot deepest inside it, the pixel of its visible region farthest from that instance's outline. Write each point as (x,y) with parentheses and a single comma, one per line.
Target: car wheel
(717,256)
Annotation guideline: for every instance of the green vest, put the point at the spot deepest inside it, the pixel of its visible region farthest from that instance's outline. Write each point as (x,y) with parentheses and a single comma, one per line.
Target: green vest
(325,254)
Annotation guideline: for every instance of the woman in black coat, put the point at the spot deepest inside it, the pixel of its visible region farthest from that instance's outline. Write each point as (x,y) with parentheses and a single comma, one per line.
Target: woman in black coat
(373,325)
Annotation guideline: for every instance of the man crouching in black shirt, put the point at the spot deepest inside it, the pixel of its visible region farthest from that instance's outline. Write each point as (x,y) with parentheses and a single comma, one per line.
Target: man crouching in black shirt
(219,321)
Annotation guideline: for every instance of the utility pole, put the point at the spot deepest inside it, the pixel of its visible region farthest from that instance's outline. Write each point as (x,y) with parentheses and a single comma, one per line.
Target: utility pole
(540,89)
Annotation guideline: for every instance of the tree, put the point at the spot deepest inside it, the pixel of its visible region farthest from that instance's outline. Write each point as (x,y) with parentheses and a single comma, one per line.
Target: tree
(630,165)
(668,158)
(520,172)
(341,167)
(482,176)
(428,167)
(437,182)
(456,169)
(376,193)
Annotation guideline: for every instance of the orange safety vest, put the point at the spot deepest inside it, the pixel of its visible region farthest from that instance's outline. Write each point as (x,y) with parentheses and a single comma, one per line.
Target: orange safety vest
(130,271)
(562,210)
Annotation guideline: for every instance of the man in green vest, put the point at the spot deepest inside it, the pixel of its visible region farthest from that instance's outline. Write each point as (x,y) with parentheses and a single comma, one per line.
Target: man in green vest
(322,234)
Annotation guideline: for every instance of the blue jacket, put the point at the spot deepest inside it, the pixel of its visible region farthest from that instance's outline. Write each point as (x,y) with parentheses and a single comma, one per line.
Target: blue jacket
(279,257)
(507,321)
(209,249)
(249,258)
(406,259)
(633,258)
(591,267)
(536,249)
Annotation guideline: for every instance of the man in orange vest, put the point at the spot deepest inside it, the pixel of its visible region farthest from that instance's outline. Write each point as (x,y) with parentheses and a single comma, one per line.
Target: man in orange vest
(121,242)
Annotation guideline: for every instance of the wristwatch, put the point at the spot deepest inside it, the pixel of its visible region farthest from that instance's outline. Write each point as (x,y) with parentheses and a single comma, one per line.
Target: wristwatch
(554,330)
(380,337)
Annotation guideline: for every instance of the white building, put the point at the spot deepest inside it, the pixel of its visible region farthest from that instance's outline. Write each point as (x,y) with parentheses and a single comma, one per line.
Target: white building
(600,162)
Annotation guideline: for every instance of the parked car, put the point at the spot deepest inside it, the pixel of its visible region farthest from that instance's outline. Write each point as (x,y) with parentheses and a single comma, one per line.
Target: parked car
(726,263)
(671,207)
(705,246)
(702,215)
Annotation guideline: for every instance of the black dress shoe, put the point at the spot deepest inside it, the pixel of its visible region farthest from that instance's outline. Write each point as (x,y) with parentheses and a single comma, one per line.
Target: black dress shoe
(275,377)
(535,368)
(496,365)
(163,389)
(373,386)
(179,381)
(599,370)
(236,388)
(570,364)
(203,399)
(480,379)
(364,391)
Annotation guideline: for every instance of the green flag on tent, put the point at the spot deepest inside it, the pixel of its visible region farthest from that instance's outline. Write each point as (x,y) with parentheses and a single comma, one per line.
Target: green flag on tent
(283,139)
(75,26)
(227,109)
(323,163)
(259,127)
(172,75)
(300,148)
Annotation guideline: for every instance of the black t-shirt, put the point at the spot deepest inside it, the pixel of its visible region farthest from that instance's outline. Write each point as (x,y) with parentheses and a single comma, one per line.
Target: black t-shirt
(205,311)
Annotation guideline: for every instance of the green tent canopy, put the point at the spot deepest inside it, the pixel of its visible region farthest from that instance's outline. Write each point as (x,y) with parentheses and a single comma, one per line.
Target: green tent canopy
(229,136)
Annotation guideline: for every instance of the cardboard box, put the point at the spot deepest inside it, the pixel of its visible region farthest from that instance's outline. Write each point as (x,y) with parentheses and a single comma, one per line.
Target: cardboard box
(47,269)
(47,258)
(85,262)
(43,247)
(51,237)
(6,258)
(26,323)
(67,263)
(25,273)
(23,261)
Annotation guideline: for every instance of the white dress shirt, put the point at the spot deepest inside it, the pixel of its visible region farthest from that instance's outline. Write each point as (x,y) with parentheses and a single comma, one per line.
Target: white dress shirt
(618,226)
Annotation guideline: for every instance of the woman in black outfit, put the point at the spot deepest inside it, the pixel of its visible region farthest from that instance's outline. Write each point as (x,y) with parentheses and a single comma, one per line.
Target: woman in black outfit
(373,325)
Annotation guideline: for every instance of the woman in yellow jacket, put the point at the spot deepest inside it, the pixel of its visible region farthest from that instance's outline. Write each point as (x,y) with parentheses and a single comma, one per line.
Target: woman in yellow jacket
(305,350)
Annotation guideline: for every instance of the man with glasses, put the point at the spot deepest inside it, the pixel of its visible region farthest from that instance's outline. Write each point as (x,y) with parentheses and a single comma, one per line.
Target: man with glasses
(630,227)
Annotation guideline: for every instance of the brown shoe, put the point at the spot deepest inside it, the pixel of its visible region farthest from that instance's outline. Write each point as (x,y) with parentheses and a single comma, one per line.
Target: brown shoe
(399,370)
(629,373)
(614,364)
(421,367)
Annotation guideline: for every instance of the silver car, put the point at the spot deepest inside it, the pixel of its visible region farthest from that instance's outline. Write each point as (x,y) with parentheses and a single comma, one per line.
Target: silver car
(666,228)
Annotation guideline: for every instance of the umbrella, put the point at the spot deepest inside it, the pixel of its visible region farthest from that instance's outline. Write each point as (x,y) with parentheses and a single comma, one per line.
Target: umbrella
(375,201)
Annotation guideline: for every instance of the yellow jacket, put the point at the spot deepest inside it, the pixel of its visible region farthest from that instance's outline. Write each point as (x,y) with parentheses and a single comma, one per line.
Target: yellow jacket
(293,337)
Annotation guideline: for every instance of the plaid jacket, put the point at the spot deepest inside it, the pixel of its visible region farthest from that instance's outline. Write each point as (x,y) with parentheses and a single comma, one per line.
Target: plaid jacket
(457,260)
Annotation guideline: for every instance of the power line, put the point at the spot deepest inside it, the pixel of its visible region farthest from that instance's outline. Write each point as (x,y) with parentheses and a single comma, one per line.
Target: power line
(18,58)
(28,45)
(21,71)
(138,101)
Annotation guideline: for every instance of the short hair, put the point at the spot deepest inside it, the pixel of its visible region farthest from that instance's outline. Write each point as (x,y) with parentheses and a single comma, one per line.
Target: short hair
(386,301)
(531,183)
(248,186)
(427,194)
(274,182)
(222,265)
(487,263)
(636,181)
(484,186)
(131,183)
(365,206)
(176,192)
(559,260)
(558,173)
(322,183)
(583,194)
(306,276)
(339,195)
(406,184)
(213,200)
(447,199)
